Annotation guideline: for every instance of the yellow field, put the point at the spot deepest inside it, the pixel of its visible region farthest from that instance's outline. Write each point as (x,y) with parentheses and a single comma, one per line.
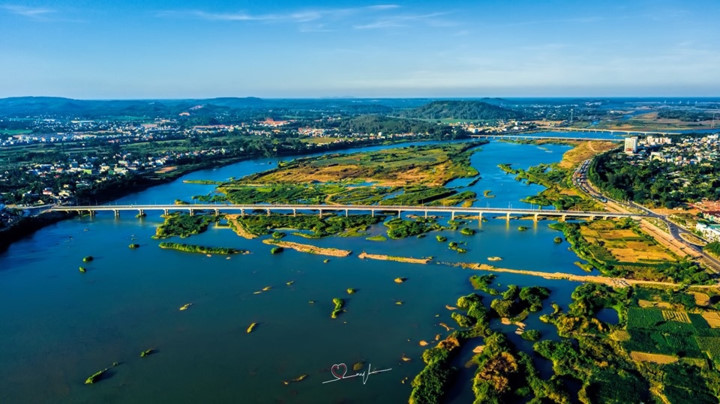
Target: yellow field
(701,299)
(712,318)
(651,357)
(584,151)
(647,303)
(679,316)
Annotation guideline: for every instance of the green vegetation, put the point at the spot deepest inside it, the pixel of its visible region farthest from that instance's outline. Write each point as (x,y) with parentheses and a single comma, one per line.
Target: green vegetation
(88,258)
(655,183)
(558,240)
(467,231)
(522,228)
(82,269)
(517,303)
(351,291)
(183,225)
(316,226)
(531,335)
(400,228)
(147,352)
(99,375)
(134,246)
(276,250)
(192,248)
(713,248)
(462,110)
(440,238)
(277,235)
(379,237)
(456,247)
(669,347)
(483,282)
(339,304)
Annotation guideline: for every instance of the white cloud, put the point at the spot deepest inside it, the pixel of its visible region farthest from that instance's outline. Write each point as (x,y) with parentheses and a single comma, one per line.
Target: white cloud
(29,12)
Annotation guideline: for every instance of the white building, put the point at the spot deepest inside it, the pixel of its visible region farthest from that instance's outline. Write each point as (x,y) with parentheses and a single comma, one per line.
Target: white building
(631,145)
(710,232)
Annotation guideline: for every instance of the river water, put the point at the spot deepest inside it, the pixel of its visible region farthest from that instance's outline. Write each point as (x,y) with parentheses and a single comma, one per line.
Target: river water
(58,326)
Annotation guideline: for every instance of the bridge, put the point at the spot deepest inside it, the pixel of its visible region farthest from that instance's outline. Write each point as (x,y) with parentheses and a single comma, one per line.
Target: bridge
(242,209)
(613,131)
(531,137)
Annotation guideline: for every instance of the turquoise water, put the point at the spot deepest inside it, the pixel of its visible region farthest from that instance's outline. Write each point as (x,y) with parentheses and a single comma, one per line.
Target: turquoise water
(59,326)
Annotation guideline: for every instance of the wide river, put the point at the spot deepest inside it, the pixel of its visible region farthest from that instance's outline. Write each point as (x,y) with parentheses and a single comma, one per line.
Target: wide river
(59,326)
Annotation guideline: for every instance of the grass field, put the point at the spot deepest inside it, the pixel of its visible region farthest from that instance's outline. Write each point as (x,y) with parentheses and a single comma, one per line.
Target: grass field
(416,165)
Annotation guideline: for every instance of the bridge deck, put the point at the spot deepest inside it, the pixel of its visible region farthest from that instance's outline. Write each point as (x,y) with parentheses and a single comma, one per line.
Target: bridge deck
(345,208)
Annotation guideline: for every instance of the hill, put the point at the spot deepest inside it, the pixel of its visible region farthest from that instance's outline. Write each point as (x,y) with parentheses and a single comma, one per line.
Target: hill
(470,110)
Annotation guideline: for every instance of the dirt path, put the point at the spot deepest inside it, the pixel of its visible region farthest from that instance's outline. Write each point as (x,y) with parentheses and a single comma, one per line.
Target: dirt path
(612,282)
(381,257)
(308,248)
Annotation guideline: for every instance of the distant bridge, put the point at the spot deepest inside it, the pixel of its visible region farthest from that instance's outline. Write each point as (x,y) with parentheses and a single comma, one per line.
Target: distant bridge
(346,209)
(613,131)
(531,137)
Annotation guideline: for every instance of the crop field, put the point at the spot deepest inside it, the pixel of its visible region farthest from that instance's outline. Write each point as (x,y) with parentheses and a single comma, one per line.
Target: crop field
(672,332)
(624,245)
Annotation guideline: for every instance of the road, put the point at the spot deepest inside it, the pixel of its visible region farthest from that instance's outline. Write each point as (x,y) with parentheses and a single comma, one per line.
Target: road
(581,181)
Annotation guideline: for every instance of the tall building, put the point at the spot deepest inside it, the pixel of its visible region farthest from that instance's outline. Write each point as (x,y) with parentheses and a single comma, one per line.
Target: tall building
(631,145)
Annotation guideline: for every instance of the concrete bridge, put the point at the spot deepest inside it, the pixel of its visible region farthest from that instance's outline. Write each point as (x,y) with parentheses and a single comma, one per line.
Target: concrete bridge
(613,131)
(531,137)
(346,209)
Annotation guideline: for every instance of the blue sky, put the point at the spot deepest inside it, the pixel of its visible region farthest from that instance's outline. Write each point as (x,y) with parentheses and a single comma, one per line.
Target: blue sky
(174,49)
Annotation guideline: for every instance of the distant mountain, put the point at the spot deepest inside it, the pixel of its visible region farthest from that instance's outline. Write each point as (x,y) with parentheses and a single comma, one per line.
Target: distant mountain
(66,107)
(470,110)
(246,107)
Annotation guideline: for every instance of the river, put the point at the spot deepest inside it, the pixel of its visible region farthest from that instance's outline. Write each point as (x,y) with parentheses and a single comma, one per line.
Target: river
(60,326)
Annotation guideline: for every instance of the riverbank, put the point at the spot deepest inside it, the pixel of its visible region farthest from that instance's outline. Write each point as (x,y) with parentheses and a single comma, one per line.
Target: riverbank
(382,257)
(308,248)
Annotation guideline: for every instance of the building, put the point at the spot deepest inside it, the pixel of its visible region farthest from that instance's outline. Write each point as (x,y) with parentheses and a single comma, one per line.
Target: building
(710,232)
(631,145)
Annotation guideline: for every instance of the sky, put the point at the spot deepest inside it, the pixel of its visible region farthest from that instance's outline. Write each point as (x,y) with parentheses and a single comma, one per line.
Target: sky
(99,49)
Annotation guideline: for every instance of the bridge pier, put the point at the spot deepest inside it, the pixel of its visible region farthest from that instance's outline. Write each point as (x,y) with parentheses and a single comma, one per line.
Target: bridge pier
(452,215)
(165,212)
(372,212)
(399,212)
(507,216)
(92,213)
(116,212)
(426,214)
(346,213)
(217,212)
(563,217)
(320,213)
(535,218)
(242,212)
(294,212)
(268,211)
(480,217)
(192,212)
